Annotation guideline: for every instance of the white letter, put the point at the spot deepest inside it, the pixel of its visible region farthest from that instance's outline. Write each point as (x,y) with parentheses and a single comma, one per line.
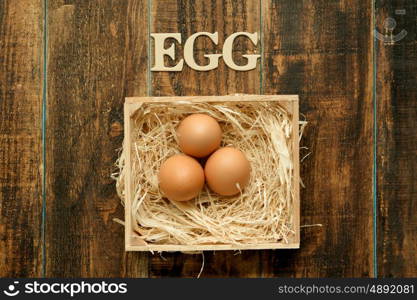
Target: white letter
(29,288)
(55,288)
(123,288)
(160,51)
(189,52)
(228,47)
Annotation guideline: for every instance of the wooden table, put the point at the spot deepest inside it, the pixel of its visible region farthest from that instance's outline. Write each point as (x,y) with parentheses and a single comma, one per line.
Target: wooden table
(66,67)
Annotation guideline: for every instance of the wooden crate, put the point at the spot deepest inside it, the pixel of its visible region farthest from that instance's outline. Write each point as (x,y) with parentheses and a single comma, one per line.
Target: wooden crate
(132,104)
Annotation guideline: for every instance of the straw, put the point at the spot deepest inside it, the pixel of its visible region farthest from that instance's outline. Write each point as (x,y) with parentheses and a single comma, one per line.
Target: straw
(261,213)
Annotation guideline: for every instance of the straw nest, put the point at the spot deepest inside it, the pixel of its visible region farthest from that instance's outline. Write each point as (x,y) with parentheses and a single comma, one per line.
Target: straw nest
(262,213)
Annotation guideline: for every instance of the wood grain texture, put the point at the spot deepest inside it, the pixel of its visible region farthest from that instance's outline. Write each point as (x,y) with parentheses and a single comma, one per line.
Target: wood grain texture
(322,50)
(397,148)
(225,17)
(97,55)
(21,65)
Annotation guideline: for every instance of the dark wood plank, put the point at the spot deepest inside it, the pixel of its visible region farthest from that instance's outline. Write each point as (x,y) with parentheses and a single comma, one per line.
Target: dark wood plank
(322,50)
(21,71)
(97,56)
(397,136)
(188,17)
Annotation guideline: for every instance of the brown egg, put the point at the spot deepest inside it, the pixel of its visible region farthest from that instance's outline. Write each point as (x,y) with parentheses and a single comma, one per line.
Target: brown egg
(181,178)
(226,169)
(199,135)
